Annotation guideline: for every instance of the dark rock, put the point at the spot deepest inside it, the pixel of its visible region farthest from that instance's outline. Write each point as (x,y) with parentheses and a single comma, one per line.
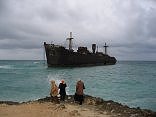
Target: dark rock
(9,102)
(46,99)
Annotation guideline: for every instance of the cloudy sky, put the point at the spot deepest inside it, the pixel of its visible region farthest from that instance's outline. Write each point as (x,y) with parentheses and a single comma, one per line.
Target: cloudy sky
(128,26)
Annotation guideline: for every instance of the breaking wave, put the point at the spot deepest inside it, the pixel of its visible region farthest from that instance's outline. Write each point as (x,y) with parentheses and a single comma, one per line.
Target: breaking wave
(36,62)
(57,78)
(6,67)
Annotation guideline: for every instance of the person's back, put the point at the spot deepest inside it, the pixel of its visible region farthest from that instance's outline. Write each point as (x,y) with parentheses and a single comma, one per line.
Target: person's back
(54,89)
(79,92)
(54,92)
(62,92)
(79,87)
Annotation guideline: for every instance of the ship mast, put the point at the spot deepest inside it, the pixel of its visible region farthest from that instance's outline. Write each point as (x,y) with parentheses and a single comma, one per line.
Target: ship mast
(105,46)
(70,41)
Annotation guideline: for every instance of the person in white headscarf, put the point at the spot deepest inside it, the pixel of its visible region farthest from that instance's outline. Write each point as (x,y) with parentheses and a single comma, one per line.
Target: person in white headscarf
(54,91)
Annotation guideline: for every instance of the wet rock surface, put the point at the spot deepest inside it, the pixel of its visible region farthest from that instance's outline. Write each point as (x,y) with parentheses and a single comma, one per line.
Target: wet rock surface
(101,105)
(9,102)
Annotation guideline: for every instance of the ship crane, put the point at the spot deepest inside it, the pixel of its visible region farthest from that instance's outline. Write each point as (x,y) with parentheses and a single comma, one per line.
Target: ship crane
(70,41)
(105,46)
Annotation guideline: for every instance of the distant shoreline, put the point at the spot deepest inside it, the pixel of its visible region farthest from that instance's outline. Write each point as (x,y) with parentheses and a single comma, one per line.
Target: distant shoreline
(111,107)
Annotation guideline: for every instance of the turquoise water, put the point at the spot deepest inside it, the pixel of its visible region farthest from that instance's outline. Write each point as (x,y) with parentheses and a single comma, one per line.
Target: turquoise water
(129,82)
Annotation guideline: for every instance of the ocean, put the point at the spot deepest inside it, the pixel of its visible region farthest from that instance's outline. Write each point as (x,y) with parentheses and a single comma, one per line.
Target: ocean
(131,83)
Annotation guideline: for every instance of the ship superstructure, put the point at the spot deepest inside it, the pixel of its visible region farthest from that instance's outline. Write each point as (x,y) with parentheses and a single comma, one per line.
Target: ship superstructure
(58,55)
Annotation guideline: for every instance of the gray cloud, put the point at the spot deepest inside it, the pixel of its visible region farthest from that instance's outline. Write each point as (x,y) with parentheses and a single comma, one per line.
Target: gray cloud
(128,26)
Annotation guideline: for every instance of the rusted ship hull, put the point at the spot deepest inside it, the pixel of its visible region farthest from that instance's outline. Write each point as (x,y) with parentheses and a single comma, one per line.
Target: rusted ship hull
(59,56)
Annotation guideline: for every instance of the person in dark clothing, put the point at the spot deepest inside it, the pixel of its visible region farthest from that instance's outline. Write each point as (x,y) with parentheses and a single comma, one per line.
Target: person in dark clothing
(79,96)
(62,87)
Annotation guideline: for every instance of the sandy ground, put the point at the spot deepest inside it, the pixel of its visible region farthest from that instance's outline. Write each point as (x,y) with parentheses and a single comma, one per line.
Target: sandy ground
(48,109)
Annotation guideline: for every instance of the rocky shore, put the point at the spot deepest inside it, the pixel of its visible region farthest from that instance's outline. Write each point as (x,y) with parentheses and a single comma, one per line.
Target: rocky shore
(102,107)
